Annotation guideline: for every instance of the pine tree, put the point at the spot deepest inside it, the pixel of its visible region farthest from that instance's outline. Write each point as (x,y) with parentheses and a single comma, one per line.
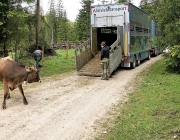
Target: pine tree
(61,22)
(52,20)
(4,9)
(10,11)
(83,20)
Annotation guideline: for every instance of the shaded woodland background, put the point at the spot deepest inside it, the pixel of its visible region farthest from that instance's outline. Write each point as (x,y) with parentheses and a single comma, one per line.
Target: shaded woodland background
(24,26)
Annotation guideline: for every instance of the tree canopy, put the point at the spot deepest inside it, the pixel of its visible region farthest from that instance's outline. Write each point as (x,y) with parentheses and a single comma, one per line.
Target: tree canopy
(83,20)
(166,14)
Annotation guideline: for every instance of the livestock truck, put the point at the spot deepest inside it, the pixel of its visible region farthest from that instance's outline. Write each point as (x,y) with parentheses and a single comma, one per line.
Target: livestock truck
(126,29)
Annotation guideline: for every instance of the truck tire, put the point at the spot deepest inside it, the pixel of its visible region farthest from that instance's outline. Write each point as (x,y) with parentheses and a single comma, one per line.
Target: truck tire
(149,55)
(139,60)
(133,64)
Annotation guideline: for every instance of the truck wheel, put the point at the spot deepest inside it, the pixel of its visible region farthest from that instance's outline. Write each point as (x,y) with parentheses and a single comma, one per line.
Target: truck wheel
(156,52)
(139,60)
(149,55)
(133,64)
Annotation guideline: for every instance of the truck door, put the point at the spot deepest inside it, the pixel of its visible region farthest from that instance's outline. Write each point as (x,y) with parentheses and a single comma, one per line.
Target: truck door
(94,41)
(120,35)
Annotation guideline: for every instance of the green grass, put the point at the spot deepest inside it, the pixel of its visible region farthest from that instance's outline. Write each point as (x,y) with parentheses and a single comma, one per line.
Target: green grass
(53,65)
(58,64)
(153,109)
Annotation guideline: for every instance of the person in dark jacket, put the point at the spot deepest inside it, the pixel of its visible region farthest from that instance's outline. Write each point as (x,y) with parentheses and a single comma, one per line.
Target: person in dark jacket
(105,60)
(37,54)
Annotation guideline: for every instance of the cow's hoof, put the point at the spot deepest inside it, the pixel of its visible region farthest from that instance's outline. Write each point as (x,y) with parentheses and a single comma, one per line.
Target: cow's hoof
(25,102)
(3,107)
(8,97)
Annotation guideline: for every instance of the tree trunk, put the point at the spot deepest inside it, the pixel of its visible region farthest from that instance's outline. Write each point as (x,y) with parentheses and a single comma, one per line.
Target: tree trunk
(5,27)
(37,22)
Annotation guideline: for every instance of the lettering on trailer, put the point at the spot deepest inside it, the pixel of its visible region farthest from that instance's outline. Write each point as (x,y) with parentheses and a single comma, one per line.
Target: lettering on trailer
(109,9)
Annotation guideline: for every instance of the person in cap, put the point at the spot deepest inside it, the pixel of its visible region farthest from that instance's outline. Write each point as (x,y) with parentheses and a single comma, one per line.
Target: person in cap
(37,54)
(105,60)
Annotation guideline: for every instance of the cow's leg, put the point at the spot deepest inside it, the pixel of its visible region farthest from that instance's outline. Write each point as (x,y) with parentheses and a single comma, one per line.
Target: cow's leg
(22,92)
(6,90)
(8,95)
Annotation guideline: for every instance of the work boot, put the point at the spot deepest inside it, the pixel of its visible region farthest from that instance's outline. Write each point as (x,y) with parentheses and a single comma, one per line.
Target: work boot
(106,77)
(102,78)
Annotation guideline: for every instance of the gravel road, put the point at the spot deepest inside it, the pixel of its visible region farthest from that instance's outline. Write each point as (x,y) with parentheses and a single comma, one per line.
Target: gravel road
(64,108)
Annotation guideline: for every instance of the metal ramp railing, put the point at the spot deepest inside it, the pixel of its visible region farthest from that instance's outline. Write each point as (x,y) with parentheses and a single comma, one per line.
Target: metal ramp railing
(115,55)
(83,54)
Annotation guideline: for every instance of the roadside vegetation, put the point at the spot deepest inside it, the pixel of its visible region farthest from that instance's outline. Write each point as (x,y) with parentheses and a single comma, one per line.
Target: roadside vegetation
(63,62)
(152,110)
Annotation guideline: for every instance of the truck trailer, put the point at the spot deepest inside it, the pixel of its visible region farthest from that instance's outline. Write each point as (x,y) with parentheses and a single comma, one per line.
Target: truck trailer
(126,29)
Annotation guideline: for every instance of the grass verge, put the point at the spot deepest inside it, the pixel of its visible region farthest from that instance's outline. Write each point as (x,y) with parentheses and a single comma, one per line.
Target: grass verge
(54,65)
(152,111)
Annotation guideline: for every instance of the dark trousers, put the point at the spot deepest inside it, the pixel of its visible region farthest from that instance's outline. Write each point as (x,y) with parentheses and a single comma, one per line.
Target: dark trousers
(37,58)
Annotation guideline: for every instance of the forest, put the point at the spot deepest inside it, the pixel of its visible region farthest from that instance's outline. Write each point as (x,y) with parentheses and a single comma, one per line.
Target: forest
(23,27)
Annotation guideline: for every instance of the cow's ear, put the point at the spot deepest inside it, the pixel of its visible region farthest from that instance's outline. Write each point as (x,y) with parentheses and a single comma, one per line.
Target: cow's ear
(27,69)
(33,67)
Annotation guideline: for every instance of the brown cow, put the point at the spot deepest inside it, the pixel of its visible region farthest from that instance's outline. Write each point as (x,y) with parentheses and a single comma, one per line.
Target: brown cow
(13,74)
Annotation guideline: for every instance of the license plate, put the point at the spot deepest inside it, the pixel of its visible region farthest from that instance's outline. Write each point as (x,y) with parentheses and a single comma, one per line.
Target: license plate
(127,65)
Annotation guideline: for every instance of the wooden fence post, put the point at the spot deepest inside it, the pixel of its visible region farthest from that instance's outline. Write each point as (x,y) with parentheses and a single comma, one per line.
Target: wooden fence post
(42,52)
(67,46)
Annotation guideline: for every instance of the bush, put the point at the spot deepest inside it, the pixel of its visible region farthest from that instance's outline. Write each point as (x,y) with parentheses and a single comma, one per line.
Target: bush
(172,60)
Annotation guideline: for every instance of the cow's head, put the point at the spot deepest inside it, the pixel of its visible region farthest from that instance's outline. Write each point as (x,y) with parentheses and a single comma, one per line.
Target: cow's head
(32,74)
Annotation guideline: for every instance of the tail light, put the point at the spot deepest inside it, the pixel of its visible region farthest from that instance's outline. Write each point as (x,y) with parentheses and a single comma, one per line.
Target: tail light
(126,59)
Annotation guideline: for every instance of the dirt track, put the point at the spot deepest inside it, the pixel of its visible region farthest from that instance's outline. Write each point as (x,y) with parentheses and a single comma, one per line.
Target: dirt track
(64,108)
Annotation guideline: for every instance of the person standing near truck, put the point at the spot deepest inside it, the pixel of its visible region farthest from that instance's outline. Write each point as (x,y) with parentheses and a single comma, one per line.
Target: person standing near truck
(37,54)
(105,60)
